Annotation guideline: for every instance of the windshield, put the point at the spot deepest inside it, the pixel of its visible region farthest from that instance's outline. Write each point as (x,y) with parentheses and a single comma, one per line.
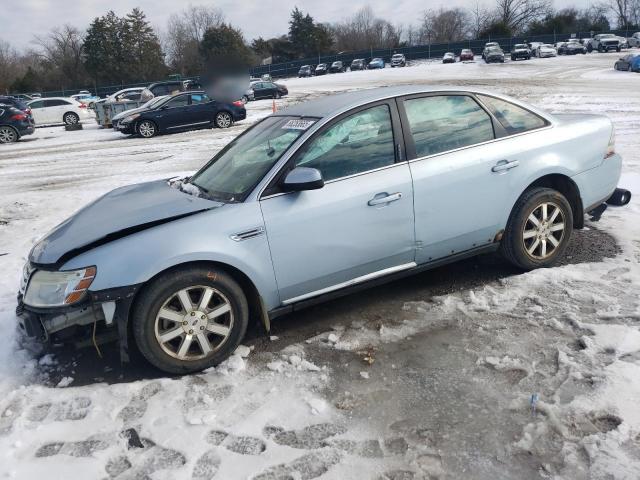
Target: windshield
(520,46)
(236,170)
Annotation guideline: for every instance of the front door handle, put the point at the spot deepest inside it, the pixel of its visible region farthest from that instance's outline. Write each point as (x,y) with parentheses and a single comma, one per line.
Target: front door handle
(383,198)
(504,165)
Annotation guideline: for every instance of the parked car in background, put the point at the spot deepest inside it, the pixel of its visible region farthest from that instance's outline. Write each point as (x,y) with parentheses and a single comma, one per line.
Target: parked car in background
(604,42)
(466,54)
(249,95)
(493,55)
(534,45)
(305,71)
(358,64)
(628,63)
(624,42)
(122,95)
(266,77)
(486,48)
(53,110)
(449,57)
(263,90)
(398,60)
(19,103)
(161,88)
(86,98)
(571,47)
(22,96)
(634,40)
(520,51)
(375,64)
(182,111)
(189,263)
(155,101)
(545,50)
(14,123)
(321,69)
(337,67)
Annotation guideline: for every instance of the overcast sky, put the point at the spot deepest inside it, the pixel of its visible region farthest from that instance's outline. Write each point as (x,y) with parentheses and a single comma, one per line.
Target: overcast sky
(256,18)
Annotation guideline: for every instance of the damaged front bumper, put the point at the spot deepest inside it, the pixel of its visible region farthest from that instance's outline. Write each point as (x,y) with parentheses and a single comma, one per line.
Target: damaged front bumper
(101,318)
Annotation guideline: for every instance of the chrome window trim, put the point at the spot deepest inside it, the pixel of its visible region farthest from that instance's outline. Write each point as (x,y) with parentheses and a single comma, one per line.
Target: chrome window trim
(266,180)
(353,281)
(536,130)
(404,162)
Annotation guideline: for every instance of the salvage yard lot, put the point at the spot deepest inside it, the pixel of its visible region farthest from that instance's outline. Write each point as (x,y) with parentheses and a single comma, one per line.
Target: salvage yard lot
(429,377)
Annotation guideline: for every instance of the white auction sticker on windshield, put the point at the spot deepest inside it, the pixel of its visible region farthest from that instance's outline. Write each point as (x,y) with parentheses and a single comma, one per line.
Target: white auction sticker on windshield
(298,124)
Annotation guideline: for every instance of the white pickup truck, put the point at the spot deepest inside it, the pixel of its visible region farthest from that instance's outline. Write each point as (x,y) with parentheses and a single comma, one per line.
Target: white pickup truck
(604,42)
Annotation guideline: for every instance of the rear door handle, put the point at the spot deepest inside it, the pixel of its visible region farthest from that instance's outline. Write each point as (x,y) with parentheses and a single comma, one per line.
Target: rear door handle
(504,165)
(382,198)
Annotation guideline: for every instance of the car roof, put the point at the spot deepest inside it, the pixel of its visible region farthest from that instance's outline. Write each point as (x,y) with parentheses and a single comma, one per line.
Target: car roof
(331,105)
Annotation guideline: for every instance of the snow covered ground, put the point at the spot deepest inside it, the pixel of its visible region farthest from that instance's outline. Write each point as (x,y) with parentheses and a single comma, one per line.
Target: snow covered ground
(402,383)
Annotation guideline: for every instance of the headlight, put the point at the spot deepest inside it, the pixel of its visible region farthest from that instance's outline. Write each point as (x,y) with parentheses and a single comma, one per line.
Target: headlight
(130,118)
(56,289)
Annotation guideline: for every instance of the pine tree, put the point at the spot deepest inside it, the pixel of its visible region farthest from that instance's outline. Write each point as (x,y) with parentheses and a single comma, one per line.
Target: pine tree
(145,59)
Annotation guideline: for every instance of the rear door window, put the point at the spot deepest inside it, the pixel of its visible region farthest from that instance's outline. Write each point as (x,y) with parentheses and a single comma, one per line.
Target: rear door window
(513,118)
(180,101)
(199,98)
(442,123)
(55,103)
(37,104)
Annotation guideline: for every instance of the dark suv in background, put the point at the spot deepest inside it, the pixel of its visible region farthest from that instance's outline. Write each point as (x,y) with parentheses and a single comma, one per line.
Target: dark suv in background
(305,71)
(14,123)
(358,64)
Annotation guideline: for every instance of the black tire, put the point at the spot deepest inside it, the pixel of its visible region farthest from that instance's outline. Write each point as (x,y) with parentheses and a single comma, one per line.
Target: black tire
(618,49)
(245,99)
(589,48)
(70,118)
(513,242)
(146,129)
(276,95)
(153,298)
(223,120)
(8,134)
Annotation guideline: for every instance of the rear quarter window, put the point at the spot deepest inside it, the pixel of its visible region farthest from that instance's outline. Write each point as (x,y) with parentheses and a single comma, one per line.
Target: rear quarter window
(513,118)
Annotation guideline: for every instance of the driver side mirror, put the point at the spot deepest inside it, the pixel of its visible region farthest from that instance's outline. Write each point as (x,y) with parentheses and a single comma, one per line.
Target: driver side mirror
(303,178)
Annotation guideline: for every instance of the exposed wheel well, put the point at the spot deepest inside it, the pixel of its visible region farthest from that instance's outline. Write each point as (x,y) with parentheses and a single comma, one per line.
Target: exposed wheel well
(569,189)
(248,287)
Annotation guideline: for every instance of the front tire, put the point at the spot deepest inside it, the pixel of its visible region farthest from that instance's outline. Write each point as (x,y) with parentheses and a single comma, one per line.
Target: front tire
(70,118)
(189,320)
(147,129)
(539,229)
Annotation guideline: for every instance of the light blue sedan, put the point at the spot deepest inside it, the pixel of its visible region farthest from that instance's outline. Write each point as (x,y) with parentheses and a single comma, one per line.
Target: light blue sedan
(312,202)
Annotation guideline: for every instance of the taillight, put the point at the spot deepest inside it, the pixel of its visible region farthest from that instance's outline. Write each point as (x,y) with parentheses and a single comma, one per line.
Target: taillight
(28,111)
(238,103)
(611,148)
(82,105)
(18,116)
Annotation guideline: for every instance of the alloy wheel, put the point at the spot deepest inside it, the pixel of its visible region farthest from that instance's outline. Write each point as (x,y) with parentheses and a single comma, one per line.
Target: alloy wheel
(543,231)
(193,323)
(146,129)
(7,135)
(71,119)
(223,120)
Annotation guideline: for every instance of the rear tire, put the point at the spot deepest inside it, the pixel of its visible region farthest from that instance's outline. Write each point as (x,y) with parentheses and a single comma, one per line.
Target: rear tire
(8,134)
(538,230)
(70,118)
(172,336)
(223,120)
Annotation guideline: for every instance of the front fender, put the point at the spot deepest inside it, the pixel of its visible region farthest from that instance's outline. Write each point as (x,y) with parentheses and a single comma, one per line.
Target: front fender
(206,236)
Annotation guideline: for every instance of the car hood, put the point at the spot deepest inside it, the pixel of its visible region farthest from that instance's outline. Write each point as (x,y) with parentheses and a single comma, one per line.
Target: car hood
(119,213)
(126,113)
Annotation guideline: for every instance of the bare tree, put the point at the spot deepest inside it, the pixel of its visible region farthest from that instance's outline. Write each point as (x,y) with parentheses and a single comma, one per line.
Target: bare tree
(9,66)
(61,53)
(185,31)
(363,30)
(445,25)
(517,14)
(626,12)
(480,18)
